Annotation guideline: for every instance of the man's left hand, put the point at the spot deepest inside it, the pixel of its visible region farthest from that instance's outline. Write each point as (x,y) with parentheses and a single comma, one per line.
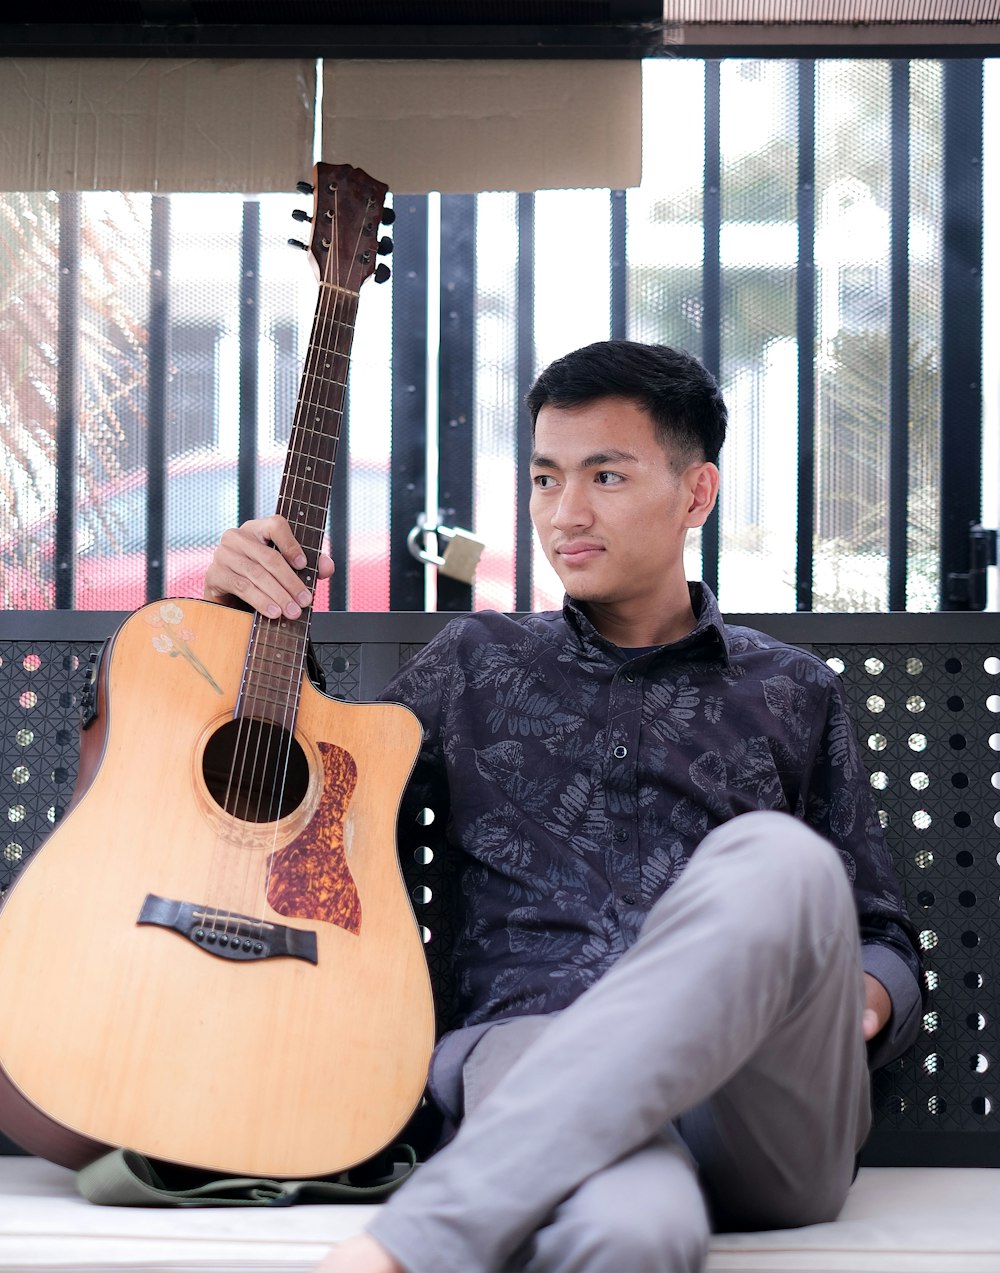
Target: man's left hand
(878,1007)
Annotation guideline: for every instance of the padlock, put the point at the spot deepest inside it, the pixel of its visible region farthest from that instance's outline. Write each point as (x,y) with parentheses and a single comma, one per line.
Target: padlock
(460,555)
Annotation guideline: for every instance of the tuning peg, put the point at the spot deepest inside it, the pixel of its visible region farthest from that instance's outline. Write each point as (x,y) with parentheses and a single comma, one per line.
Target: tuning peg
(384,246)
(300,214)
(303,187)
(297,243)
(388,216)
(382,272)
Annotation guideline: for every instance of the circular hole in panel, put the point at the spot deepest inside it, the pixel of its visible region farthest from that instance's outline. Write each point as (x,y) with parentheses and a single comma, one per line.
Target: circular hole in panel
(956,702)
(52,813)
(936,1105)
(931,1063)
(976,1021)
(928,939)
(875,704)
(931,1022)
(919,781)
(994,778)
(924,858)
(836,665)
(930,979)
(31,662)
(877,742)
(964,858)
(25,737)
(994,738)
(423,855)
(28,700)
(982,1105)
(956,742)
(896,1104)
(425,934)
(883,818)
(991,665)
(973,980)
(20,775)
(914,666)
(879,780)
(961,781)
(925,899)
(13,852)
(921,819)
(970,939)
(996,819)
(915,704)
(425,817)
(963,819)
(967,897)
(339,663)
(979,1063)
(993,702)
(874,667)
(917,742)
(953,665)
(16,813)
(422,895)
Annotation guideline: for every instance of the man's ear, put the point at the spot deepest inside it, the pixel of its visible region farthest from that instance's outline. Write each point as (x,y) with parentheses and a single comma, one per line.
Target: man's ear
(703,484)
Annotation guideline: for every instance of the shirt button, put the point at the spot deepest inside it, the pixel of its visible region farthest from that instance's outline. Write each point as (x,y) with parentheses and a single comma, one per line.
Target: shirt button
(630,677)
(620,752)
(621,835)
(628,899)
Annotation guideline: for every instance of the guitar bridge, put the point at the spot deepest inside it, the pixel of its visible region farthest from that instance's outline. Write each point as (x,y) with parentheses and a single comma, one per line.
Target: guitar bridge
(230,936)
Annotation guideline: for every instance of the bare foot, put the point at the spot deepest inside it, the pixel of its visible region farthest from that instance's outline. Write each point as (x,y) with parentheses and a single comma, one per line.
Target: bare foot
(359,1255)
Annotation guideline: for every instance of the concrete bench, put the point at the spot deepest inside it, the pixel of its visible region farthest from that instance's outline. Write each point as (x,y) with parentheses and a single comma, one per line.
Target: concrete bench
(925,692)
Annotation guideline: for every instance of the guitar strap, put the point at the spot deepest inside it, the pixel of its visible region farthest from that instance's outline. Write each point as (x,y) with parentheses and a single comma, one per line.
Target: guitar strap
(124,1178)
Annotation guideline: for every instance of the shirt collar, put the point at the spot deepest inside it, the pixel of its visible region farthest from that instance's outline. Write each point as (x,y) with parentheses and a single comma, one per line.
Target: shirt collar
(708,635)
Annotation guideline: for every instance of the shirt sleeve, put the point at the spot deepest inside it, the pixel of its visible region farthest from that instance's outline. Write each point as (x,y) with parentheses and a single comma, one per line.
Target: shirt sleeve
(838,804)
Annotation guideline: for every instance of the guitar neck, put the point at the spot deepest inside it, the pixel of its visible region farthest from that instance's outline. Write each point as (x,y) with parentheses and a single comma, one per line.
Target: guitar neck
(276,655)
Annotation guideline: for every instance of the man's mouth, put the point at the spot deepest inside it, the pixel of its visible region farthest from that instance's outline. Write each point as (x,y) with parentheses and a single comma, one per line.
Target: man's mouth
(575,554)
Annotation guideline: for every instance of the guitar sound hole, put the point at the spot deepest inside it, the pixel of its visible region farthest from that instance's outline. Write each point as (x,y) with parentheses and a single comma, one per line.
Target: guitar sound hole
(255,770)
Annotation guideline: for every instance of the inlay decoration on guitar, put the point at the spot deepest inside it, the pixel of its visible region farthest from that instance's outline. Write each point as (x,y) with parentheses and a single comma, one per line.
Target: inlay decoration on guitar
(213,959)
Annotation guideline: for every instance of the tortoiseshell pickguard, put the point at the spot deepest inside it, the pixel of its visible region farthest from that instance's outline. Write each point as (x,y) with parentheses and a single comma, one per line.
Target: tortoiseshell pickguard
(310,878)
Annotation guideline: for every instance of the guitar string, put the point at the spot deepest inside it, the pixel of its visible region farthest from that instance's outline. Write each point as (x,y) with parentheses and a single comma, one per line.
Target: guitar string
(330,393)
(271,633)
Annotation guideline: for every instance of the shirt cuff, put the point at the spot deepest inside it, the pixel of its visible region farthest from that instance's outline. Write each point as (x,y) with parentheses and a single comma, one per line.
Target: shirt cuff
(903,1026)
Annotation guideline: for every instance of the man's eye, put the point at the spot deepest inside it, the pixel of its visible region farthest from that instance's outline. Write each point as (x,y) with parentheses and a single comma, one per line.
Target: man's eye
(608,479)
(543,480)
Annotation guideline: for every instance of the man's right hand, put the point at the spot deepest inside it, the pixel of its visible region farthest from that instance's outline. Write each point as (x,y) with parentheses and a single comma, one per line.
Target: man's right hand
(256,564)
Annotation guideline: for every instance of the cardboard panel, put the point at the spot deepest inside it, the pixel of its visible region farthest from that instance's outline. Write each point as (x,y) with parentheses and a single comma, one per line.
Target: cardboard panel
(471,125)
(155,124)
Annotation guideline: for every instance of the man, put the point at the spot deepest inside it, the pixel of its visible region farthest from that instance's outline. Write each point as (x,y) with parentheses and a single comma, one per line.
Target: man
(664,844)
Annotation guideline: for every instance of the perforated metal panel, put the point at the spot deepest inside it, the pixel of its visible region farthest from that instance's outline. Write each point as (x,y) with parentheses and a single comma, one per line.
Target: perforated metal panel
(927,706)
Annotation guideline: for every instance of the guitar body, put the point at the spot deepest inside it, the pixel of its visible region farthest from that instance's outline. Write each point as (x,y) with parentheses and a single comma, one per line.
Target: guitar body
(296,1047)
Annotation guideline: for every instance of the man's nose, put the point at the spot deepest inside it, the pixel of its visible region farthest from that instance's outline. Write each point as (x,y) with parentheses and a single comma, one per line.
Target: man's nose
(573,509)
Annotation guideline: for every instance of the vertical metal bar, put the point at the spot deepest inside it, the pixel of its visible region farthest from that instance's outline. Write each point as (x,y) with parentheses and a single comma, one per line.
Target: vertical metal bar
(246,497)
(156,401)
(805,332)
(899,332)
(338,523)
(961,317)
(409,397)
(711,280)
(457,372)
(619,265)
(68,399)
(526,371)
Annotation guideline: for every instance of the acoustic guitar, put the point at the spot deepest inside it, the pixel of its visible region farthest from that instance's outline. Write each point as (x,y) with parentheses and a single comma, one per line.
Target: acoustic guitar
(213,959)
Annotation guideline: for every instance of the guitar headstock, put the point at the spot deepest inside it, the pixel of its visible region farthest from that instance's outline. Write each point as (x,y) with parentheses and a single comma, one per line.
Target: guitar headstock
(348,208)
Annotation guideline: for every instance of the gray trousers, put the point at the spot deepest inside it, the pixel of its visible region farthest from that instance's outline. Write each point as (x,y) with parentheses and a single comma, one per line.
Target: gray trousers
(715,1077)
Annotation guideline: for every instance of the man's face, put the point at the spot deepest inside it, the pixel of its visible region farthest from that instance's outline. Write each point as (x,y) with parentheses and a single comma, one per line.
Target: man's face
(610,510)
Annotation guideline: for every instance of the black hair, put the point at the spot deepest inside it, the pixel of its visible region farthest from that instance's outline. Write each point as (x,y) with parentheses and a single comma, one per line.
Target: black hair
(673,387)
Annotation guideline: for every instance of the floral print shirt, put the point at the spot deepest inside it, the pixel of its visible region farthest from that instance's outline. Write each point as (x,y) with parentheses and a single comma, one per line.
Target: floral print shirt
(579,778)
